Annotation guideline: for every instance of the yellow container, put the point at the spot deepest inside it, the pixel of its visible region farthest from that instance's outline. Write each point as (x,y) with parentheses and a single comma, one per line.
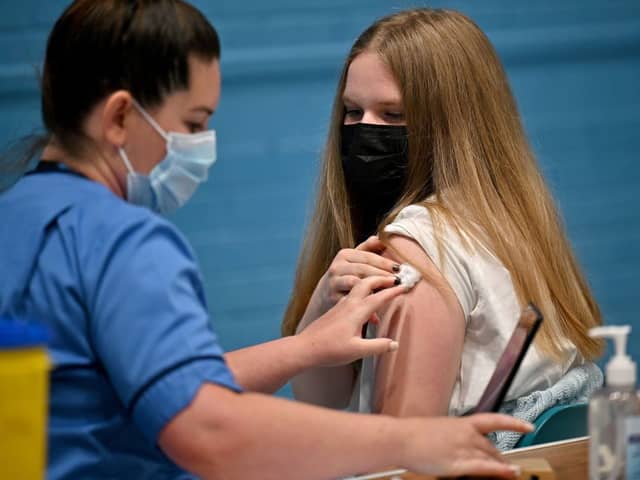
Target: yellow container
(24,394)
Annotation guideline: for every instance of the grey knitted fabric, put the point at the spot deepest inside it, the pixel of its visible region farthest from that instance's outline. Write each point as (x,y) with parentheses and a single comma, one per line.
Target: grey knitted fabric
(576,386)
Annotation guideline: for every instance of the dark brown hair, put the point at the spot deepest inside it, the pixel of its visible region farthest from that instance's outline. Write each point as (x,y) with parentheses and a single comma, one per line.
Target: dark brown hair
(97,47)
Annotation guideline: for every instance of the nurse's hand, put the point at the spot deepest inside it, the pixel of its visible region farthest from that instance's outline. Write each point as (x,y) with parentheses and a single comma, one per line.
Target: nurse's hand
(336,337)
(451,447)
(349,266)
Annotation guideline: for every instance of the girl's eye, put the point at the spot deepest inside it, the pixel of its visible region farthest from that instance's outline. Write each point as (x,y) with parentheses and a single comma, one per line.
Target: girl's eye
(396,116)
(352,113)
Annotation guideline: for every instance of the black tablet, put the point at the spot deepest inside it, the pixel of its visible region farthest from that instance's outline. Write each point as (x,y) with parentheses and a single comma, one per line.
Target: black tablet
(508,364)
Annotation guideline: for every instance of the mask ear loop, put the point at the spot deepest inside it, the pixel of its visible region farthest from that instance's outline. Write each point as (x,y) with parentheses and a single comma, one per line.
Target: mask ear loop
(125,159)
(151,120)
(154,125)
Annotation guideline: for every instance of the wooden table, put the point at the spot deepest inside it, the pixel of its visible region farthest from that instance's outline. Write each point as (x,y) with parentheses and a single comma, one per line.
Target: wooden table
(569,460)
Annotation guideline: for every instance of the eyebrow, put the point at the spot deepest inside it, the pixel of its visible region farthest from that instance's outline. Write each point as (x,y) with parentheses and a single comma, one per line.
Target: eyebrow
(346,99)
(394,103)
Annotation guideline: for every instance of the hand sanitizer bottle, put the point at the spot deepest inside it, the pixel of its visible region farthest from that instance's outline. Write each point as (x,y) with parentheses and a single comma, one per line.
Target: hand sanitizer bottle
(614,415)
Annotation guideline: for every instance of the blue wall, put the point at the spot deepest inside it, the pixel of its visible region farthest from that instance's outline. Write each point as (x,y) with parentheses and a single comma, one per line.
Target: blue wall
(574,67)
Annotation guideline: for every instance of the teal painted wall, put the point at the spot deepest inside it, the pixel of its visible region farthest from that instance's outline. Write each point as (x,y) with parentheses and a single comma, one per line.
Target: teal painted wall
(574,67)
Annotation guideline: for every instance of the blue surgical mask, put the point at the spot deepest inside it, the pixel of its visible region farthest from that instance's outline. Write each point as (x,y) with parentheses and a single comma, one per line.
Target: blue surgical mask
(174,180)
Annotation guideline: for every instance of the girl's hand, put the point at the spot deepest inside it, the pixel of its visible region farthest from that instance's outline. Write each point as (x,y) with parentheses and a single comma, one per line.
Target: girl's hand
(349,267)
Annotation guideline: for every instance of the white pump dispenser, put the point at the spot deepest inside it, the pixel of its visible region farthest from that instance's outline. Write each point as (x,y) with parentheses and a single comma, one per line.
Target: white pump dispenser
(621,370)
(614,414)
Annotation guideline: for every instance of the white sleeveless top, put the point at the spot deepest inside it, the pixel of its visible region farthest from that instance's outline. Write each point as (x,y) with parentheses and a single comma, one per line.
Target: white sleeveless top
(491,309)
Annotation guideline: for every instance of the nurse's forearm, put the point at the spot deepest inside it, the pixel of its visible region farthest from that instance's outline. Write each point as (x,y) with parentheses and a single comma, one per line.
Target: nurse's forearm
(231,436)
(225,435)
(266,367)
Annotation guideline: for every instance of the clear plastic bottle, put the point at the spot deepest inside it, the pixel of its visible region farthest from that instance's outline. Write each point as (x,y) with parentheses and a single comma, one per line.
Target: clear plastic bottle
(614,416)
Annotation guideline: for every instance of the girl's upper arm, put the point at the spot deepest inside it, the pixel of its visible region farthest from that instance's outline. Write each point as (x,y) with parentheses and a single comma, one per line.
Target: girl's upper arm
(429,324)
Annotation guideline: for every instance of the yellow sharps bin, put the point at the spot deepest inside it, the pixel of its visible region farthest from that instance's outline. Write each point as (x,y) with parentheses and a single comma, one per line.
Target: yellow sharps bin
(24,394)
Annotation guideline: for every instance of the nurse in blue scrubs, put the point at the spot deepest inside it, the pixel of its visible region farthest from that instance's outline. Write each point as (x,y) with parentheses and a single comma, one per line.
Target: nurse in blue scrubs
(140,386)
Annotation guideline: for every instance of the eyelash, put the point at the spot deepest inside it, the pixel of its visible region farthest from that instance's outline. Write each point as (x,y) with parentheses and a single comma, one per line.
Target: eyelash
(391,115)
(194,127)
(395,116)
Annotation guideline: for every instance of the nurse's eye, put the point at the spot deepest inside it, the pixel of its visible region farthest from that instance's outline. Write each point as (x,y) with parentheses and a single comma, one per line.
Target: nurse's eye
(194,127)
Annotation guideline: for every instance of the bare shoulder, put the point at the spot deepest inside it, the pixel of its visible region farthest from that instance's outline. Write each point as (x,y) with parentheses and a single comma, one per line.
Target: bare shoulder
(406,250)
(433,284)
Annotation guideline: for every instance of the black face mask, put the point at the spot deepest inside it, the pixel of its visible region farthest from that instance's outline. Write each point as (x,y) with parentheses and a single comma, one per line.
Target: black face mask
(374,160)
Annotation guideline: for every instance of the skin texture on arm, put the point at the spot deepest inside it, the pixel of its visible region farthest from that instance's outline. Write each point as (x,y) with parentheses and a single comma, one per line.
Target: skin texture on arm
(429,325)
(224,435)
(265,367)
(324,386)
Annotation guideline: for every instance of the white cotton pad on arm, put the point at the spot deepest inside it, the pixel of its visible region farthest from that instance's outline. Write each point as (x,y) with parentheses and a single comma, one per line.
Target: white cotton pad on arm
(409,276)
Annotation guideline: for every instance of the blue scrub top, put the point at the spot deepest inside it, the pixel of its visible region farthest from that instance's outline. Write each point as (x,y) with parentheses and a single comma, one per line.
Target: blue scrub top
(131,341)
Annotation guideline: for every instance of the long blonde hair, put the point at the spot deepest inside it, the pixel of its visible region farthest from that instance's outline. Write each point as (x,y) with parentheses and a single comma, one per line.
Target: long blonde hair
(466,141)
